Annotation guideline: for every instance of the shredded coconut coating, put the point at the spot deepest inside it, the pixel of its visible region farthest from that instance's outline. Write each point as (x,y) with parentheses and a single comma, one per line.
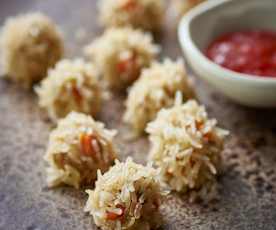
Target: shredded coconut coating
(154,90)
(128,196)
(77,148)
(186,146)
(144,14)
(30,44)
(121,53)
(73,85)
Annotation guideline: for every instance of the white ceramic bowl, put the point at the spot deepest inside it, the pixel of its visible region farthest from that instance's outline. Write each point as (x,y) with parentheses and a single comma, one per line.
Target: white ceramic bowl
(205,23)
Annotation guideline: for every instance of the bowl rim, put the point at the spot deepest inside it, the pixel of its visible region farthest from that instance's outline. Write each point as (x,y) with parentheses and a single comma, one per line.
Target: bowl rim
(185,39)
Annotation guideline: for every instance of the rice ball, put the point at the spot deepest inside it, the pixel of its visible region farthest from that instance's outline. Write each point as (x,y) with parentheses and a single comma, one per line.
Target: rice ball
(186,146)
(77,148)
(154,90)
(121,53)
(73,85)
(145,14)
(30,44)
(128,196)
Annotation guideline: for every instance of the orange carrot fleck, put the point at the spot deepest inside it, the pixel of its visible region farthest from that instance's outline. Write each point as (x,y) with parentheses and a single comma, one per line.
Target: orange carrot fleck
(129,5)
(76,94)
(86,144)
(127,65)
(208,136)
(198,124)
(115,216)
(112,216)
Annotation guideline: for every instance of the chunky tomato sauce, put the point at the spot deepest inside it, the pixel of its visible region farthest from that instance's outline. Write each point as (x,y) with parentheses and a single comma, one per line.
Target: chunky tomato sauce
(249,52)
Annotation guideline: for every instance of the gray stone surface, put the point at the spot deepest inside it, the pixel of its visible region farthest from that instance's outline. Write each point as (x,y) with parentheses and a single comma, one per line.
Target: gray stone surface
(247,186)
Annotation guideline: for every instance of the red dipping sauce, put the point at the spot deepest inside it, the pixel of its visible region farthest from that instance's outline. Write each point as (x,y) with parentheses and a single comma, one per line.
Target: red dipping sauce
(249,52)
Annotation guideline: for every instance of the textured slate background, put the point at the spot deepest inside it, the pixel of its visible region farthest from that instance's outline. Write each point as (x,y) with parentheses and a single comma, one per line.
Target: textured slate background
(248,184)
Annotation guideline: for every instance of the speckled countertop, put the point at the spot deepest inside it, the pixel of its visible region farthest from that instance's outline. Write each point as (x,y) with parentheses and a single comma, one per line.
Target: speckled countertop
(247,187)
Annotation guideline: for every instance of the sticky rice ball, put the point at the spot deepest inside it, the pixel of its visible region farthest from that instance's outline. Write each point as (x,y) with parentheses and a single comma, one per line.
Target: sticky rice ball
(186,146)
(145,14)
(77,148)
(154,90)
(30,44)
(120,54)
(73,85)
(128,196)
